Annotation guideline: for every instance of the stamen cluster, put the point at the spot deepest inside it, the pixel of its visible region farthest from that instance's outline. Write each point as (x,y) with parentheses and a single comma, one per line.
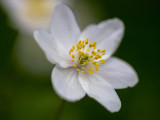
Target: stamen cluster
(86,57)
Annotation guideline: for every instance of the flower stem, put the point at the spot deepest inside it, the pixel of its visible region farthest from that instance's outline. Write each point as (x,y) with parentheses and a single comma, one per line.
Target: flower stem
(60,110)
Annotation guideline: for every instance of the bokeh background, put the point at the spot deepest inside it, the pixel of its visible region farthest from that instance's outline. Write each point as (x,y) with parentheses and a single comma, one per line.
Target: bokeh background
(26,92)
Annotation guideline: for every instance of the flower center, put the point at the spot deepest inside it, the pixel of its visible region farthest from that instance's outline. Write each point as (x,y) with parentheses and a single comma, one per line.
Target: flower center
(38,8)
(86,57)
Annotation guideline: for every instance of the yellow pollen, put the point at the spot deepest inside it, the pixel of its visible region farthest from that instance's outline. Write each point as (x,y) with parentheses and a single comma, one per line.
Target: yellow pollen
(73,56)
(80,53)
(93,52)
(72,60)
(102,61)
(96,57)
(88,56)
(74,65)
(96,68)
(94,62)
(103,51)
(100,56)
(86,63)
(94,47)
(76,49)
(94,43)
(98,50)
(90,45)
(91,56)
(86,42)
(85,54)
(90,71)
(88,49)
(73,47)
(91,68)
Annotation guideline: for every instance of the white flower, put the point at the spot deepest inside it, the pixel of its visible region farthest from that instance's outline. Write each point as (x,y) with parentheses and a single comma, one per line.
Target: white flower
(83,59)
(28,15)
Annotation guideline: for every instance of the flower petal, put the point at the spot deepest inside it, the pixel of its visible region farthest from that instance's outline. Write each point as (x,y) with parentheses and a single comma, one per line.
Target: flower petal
(54,51)
(64,26)
(100,90)
(107,34)
(65,82)
(118,73)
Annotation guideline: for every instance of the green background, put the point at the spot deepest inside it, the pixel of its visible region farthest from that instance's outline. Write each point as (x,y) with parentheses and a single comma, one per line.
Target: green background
(26,96)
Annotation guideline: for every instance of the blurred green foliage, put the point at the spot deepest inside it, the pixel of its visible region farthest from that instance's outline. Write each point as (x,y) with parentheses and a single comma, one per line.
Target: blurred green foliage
(25,96)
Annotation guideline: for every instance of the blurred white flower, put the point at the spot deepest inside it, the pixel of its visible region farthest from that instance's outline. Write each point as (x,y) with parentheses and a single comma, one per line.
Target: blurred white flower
(28,15)
(83,59)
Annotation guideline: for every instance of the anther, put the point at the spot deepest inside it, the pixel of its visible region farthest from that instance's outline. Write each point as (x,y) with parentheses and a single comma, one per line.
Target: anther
(72,60)
(94,43)
(73,56)
(98,50)
(73,47)
(98,64)
(91,56)
(90,71)
(102,61)
(74,65)
(94,62)
(103,51)
(91,68)
(94,47)
(96,68)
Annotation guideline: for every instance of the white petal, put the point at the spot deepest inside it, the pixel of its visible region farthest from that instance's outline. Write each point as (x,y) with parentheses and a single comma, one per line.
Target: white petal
(54,51)
(107,34)
(65,82)
(101,91)
(118,73)
(64,26)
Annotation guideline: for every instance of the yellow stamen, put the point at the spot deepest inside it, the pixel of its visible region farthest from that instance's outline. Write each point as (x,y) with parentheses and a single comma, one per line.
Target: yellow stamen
(94,62)
(72,60)
(96,68)
(98,64)
(103,51)
(102,61)
(94,44)
(91,56)
(94,47)
(86,42)
(91,68)
(86,63)
(88,49)
(98,50)
(73,47)
(85,57)
(90,71)
(85,54)
(73,56)
(74,65)
(90,45)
